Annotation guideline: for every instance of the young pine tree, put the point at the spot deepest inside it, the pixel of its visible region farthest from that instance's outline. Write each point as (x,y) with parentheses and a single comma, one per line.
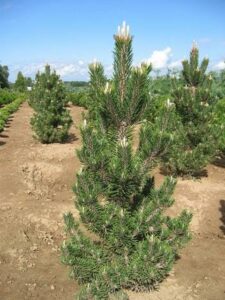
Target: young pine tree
(133,244)
(219,119)
(194,105)
(20,83)
(219,83)
(220,110)
(4,75)
(51,121)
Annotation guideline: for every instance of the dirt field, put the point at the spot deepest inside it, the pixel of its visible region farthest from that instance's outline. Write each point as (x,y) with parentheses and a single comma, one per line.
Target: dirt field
(35,191)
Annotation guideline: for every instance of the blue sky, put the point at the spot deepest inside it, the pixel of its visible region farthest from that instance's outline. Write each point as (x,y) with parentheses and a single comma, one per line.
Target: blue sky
(69,34)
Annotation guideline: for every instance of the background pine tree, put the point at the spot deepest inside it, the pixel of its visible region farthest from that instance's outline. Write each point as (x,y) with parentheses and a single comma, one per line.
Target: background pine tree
(218,87)
(219,119)
(133,243)
(219,112)
(51,121)
(198,133)
(20,83)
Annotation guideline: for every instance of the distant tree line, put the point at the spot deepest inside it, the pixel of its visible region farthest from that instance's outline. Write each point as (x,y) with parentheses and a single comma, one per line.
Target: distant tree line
(160,84)
(22,82)
(77,83)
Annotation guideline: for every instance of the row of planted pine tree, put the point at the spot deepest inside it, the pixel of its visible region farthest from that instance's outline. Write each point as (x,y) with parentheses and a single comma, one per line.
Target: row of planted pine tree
(124,135)
(51,121)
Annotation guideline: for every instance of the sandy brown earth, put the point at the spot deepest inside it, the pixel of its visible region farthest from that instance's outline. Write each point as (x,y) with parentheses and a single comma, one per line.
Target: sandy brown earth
(35,191)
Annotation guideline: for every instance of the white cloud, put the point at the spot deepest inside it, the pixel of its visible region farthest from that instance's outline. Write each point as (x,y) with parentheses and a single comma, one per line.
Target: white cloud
(81,62)
(31,69)
(160,58)
(220,65)
(77,70)
(109,70)
(177,64)
(65,70)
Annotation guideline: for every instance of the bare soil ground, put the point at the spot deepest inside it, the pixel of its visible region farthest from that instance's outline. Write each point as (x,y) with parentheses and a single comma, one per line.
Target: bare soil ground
(35,191)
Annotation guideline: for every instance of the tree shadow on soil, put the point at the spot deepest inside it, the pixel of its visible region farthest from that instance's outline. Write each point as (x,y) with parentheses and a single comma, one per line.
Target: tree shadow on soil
(2,143)
(71,138)
(3,135)
(220,162)
(203,173)
(8,123)
(222,210)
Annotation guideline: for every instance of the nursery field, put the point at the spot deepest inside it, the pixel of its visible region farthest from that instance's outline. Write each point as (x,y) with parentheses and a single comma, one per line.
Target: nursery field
(36,190)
